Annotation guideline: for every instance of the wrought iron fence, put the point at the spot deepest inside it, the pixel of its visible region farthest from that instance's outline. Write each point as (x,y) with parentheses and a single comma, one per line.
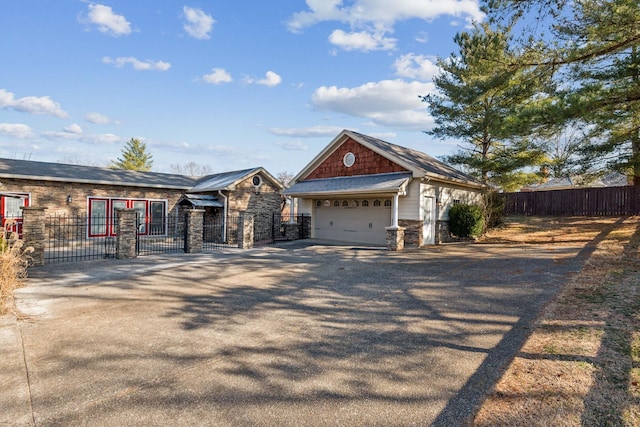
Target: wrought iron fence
(271,227)
(219,234)
(66,239)
(161,238)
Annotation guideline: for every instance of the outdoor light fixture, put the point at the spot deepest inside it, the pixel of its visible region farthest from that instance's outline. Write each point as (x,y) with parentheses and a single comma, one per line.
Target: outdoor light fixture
(69,199)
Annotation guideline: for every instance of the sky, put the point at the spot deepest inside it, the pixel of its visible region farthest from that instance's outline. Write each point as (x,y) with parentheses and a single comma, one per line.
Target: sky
(226,84)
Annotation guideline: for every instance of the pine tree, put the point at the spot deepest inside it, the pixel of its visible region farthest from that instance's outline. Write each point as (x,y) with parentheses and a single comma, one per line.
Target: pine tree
(594,53)
(480,98)
(134,157)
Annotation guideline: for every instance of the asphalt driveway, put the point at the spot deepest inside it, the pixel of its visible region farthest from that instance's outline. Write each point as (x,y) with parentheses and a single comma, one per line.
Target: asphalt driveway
(299,335)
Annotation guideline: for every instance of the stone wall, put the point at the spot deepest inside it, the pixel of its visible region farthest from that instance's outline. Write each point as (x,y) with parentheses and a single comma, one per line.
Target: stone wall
(248,198)
(53,195)
(412,233)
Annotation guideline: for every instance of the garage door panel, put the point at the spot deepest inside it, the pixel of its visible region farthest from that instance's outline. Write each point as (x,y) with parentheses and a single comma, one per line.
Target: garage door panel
(356,225)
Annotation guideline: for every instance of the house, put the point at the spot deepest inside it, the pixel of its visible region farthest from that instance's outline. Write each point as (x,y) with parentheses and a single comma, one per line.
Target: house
(359,187)
(95,193)
(612,179)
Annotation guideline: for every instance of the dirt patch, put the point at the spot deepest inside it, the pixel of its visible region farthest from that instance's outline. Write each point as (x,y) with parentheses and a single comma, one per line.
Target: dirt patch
(581,365)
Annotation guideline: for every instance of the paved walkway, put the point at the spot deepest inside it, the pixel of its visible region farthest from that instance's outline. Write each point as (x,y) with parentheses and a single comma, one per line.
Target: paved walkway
(299,335)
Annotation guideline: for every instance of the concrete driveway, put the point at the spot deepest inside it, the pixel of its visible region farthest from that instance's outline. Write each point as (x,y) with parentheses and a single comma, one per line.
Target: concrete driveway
(297,335)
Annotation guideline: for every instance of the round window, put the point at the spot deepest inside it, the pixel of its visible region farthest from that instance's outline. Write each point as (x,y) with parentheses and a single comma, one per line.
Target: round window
(349,159)
(257,181)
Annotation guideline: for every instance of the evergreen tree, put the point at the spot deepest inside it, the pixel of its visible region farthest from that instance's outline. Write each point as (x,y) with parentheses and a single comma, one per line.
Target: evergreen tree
(480,99)
(134,157)
(594,52)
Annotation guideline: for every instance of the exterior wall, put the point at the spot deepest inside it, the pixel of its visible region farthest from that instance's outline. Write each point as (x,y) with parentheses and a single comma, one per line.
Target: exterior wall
(53,195)
(446,194)
(409,206)
(245,199)
(367,163)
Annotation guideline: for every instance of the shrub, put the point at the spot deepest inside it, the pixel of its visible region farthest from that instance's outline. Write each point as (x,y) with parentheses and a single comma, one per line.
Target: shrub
(14,260)
(493,208)
(466,220)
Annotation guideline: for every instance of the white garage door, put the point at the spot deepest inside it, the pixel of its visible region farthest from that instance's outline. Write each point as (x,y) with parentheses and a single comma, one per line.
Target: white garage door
(354,221)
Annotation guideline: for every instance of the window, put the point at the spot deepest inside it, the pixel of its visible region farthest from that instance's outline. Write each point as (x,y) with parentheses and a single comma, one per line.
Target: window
(349,159)
(11,209)
(345,204)
(256,180)
(365,203)
(336,203)
(151,215)
(355,203)
(456,202)
(318,203)
(387,203)
(376,203)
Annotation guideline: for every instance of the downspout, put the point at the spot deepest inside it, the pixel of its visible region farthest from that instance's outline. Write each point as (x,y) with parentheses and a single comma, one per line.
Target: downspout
(224,220)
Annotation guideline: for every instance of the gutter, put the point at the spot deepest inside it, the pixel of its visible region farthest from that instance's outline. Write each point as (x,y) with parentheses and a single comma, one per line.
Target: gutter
(226,209)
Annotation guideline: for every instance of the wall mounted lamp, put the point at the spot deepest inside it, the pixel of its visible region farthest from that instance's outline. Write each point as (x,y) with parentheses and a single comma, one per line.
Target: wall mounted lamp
(69,199)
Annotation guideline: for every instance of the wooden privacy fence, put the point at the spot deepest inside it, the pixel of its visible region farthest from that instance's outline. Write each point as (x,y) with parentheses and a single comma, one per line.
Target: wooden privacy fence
(604,201)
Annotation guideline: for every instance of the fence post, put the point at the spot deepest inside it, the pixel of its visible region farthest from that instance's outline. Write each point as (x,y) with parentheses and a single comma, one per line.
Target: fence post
(245,230)
(33,232)
(126,233)
(194,230)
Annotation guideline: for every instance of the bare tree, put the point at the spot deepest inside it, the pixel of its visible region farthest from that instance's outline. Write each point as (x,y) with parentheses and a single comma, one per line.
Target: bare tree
(190,169)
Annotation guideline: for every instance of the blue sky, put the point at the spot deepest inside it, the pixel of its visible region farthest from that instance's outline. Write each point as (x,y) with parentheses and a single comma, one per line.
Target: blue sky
(228,84)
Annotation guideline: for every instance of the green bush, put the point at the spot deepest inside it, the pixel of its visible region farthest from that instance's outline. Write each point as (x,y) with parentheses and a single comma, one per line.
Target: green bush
(466,220)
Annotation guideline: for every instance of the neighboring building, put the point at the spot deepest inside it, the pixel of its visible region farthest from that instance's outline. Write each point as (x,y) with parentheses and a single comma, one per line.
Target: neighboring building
(357,186)
(613,179)
(97,192)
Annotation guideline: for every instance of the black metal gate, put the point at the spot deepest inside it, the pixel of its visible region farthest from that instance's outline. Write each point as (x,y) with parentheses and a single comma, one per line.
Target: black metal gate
(67,239)
(161,237)
(219,234)
(271,227)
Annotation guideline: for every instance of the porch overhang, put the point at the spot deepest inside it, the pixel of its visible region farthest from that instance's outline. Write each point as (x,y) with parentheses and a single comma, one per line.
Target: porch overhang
(388,183)
(200,201)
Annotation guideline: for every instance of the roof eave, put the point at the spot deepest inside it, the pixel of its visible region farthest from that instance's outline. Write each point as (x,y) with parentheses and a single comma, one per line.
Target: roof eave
(91,181)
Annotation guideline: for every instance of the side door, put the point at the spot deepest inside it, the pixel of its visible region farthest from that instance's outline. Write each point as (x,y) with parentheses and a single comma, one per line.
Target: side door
(429,220)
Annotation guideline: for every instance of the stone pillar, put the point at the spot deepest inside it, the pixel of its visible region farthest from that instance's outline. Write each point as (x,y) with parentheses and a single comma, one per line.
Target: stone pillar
(395,238)
(292,230)
(33,233)
(194,229)
(245,231)
(126,232)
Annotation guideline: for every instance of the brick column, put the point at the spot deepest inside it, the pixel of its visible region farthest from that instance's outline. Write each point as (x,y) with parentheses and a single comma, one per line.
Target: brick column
(395,238)
(33,233)
(194,226)
(292,230)
(126,231)
(245,231)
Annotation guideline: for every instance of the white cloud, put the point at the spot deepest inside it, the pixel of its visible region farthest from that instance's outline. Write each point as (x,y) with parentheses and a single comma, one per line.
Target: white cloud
(393,103)
(198,24)
(107,21)
(382,14)
(271,79)
(31,104)
(101,138)
(308,132)
(217,76)
(137,64)
(73,128)
(362,40)
(16,130)
(98,119)
(292,145)
(416,67)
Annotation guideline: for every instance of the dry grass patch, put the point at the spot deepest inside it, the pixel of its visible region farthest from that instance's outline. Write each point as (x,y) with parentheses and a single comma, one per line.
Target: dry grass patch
(581,365)
(14,260)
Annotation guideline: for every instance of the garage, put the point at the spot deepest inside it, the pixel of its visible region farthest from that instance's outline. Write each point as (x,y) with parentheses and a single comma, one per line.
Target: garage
(352,220)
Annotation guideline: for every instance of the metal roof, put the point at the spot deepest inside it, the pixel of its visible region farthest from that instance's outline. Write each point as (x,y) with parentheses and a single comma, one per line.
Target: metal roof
(362,184)
(200,201)
(221,181)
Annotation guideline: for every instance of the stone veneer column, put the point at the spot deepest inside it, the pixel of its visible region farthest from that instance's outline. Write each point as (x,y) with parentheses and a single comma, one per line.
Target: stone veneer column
(126,231)
(33,233)
(292,230)
(194,226)
(245,230)
(395,238)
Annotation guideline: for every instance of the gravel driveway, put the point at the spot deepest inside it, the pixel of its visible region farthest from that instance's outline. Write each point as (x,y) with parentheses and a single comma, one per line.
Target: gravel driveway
(303,334)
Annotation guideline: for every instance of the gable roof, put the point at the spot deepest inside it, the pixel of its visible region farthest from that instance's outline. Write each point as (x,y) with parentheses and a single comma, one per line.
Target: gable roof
(420,164)
(59,172)
(228,180)
(27,169)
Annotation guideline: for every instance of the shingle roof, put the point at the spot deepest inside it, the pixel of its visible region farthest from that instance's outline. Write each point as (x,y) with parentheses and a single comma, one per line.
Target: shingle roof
(380,183)
(419,160)
(26,169)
